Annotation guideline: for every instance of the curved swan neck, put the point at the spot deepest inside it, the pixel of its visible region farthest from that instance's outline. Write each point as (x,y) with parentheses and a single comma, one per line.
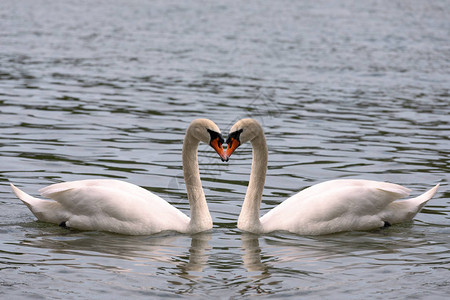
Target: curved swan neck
(200,216)
(249,216)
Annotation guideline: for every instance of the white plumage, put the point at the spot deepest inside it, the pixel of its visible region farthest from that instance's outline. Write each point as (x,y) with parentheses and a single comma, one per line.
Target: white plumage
(122,207)
(327,207)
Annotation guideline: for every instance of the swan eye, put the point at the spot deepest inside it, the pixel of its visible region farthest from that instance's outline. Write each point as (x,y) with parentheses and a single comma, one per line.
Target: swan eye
(215,135)
(235,135)
(233,141)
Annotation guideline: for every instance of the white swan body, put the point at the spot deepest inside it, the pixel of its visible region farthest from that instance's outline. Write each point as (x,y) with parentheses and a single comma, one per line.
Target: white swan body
(122,207)
(324,208)
(105,205)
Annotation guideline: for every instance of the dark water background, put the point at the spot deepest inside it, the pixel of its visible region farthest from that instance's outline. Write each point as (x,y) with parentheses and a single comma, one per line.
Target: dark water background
(343,89)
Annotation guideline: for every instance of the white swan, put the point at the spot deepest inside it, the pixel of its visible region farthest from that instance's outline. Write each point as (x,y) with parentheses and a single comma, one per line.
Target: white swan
(121,207)
(328,207)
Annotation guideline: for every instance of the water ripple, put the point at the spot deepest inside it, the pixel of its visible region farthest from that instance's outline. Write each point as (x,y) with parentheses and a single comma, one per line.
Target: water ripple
(343,90)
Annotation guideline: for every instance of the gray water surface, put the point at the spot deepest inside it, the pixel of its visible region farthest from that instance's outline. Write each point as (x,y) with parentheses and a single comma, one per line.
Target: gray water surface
(106,89)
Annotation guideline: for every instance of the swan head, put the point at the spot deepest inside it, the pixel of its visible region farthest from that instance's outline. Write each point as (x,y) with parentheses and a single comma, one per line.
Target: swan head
(243,131)
(208,132)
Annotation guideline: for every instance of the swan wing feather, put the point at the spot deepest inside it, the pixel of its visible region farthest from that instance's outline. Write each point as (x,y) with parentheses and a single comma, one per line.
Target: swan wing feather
(336,205)
(113,205)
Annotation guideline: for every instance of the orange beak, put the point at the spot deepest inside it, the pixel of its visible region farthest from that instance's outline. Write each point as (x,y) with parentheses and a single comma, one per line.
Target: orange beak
(232,145)
(217,145)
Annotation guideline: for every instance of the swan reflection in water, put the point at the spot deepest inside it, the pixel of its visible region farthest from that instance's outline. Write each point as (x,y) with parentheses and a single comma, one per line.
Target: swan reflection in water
(160,257)
(104,250)
(252,264)
(252,254)
(318,257)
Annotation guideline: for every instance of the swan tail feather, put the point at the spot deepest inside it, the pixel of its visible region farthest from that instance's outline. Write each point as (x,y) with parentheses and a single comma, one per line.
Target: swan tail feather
(29,201)
(405,210)
(44,210)
(421,200)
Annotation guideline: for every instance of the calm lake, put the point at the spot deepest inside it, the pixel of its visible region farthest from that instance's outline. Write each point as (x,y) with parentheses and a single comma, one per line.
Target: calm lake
(106,89)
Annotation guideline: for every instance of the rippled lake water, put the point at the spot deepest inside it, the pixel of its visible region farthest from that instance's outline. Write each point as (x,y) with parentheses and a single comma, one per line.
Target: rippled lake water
(106,89)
